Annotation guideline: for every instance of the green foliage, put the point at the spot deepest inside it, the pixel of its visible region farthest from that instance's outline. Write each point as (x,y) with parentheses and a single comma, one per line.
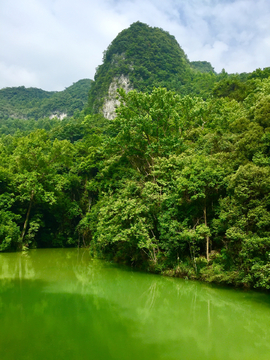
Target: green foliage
(202,66)
(43,186)
(178,185)
(185,179)
(233,87)
(31,103)
(260,74)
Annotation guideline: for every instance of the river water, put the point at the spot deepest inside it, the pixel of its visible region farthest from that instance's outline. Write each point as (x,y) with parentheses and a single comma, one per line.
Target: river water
(61,304)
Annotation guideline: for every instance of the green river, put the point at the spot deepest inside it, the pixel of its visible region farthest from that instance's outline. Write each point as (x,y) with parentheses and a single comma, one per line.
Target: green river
(61,304)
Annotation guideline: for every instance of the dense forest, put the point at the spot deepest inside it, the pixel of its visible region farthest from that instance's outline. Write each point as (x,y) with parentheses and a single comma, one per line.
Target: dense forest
(178,183)
(33,104)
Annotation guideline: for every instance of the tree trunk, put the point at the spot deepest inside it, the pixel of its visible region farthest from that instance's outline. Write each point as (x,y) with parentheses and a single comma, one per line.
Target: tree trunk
(207,236)
(27,217)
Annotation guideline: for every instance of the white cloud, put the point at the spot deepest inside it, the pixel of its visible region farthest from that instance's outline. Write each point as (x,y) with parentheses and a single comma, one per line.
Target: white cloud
(11,74)
(52,43)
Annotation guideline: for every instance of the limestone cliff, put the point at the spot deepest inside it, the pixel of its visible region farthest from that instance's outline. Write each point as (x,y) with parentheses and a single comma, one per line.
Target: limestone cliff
(111,101)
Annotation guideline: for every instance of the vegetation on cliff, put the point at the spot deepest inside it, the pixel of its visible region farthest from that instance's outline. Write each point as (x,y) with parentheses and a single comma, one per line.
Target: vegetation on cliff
(149,57)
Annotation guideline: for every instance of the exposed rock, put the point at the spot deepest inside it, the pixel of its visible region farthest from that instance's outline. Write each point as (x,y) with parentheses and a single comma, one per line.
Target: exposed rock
(58,116)
(111,102)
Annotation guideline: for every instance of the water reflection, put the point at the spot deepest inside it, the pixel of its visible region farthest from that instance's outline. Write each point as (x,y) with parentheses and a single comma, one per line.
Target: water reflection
(16,266)
(78,306)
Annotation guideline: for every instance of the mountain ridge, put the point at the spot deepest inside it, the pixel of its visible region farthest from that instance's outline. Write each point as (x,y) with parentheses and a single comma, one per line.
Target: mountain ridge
(140,58)
(34,103)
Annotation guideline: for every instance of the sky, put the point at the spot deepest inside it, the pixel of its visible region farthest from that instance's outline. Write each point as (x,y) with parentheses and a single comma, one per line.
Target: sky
(50,44)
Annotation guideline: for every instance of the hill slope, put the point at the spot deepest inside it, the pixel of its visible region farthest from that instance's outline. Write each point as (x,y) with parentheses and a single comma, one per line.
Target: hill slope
(25,103)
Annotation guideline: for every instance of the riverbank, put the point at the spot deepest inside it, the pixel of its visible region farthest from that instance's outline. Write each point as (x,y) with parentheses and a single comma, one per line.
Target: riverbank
(214,272)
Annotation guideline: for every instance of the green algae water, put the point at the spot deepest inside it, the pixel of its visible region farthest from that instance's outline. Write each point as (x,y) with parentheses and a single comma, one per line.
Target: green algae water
(61,304)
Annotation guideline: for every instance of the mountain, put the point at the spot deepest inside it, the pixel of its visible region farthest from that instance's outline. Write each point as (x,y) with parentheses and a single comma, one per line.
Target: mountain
(140,58)
(33,103)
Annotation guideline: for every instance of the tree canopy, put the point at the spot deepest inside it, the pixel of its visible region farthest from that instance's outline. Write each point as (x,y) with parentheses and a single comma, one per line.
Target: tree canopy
(174,184)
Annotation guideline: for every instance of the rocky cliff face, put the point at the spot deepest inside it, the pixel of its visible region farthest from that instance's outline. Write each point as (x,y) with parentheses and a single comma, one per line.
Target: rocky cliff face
(111,101)
(58,115)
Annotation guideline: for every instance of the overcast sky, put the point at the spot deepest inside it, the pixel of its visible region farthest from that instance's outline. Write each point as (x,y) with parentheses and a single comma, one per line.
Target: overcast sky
(50,44)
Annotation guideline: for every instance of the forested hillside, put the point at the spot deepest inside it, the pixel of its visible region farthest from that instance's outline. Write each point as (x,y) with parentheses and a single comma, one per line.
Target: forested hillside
(178,183)
(142,57)
(148,57)
(32,103)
